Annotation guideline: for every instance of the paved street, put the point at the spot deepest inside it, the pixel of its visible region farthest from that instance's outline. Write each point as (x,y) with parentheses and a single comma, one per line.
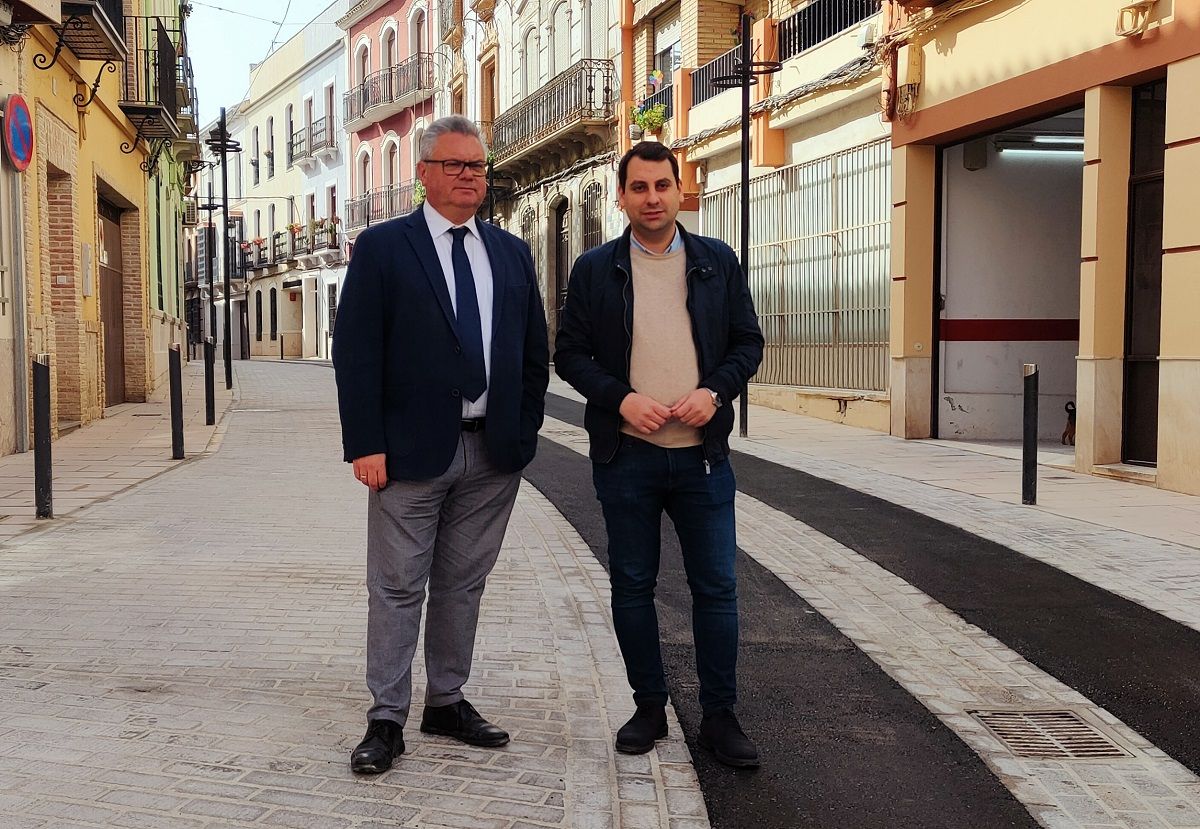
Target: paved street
(188,651)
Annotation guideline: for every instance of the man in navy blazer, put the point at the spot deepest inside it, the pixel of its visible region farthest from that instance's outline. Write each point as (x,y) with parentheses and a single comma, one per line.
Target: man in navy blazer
(442,364)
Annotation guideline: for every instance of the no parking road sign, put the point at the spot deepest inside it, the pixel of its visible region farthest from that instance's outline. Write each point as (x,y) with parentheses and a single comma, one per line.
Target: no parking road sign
(18,132)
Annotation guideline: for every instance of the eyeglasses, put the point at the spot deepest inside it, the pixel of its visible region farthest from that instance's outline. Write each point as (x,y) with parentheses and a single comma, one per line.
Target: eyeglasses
(455,167)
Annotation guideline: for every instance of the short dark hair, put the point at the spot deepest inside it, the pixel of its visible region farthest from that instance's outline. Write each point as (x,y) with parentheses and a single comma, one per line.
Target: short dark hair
(647,151)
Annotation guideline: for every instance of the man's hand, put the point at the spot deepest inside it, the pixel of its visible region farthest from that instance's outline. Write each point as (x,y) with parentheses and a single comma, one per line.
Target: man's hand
(694,409)
(644,413)
(371,470)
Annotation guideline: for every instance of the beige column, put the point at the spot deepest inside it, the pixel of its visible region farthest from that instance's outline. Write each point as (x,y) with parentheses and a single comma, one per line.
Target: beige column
(1179,356)
(1102,273)
(913,218)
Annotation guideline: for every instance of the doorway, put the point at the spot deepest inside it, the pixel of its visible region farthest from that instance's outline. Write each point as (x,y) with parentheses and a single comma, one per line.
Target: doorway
(112,302)
(562,257)
(1009,291)
(1143,285)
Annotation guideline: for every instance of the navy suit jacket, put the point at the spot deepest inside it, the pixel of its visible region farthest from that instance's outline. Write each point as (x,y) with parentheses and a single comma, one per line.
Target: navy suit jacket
(399,365)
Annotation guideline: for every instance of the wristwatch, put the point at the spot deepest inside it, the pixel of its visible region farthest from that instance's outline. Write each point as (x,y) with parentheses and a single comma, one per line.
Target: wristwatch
(716,398)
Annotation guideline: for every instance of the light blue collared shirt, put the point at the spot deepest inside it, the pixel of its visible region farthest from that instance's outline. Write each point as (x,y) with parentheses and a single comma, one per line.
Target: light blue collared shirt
(675,245)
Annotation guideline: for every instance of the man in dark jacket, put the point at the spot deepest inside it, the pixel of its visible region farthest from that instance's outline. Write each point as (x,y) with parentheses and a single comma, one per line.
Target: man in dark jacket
(442,364)
(659,334)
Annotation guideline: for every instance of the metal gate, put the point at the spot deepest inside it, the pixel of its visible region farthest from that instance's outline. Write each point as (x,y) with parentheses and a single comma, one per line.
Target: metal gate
(820,240)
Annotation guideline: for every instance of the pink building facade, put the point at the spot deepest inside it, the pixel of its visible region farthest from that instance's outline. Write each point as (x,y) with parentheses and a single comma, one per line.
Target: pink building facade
(391,76)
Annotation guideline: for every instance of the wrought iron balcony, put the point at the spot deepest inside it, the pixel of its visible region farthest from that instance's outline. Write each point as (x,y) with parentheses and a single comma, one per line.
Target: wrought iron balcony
(580,102)
(280,252)
(310,142)
(702,85)
(450,17)
(379,205)
(388,91)
(317,246)
(664,97)
(150,98)
(185,97)
(819,21)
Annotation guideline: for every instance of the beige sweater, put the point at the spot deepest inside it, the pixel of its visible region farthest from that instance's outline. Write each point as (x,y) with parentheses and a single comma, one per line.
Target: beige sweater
(663,364)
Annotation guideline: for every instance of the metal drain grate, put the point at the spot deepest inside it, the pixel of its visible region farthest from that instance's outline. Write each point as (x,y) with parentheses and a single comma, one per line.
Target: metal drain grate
(1061,735)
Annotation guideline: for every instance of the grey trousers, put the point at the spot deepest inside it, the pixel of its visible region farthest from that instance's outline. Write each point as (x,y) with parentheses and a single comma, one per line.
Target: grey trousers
(446,533)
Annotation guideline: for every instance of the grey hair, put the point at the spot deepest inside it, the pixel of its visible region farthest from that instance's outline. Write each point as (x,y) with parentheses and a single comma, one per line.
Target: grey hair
(446,125)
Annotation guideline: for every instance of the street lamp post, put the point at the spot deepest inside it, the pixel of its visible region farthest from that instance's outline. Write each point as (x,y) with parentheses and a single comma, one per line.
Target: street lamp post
(745,75)
(220,143)
(211,250)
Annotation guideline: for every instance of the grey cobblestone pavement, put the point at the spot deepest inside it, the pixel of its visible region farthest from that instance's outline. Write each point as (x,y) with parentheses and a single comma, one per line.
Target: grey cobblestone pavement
(189,653)
(953,668)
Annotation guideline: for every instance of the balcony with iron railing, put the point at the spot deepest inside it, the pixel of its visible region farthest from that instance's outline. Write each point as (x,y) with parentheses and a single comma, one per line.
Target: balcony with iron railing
(379,205)
(702,78)
(389,91)
(665,97)
(578,105)
(150,97)
(810,26)
(95,29)
(450,18)
(819,21)
(313,141)
(317,245)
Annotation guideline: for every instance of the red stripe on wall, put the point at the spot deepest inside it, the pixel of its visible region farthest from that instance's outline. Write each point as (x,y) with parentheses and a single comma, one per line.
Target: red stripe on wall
(1009,330)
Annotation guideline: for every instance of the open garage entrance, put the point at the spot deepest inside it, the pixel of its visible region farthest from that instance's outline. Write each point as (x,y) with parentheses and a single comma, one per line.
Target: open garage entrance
(1011,213)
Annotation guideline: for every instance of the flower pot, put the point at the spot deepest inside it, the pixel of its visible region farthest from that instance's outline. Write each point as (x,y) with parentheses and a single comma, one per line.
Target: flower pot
(635,132)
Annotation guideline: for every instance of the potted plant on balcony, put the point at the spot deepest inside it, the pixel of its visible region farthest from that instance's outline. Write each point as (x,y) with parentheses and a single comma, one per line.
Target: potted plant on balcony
(294,228)
(245,246)
(260,243)
(649,119)
(418,197)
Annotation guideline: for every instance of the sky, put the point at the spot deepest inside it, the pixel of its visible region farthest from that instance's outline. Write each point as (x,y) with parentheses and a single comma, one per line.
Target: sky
(226,36)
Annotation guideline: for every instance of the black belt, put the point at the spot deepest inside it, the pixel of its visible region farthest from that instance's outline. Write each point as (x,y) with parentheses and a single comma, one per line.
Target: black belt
(473,424)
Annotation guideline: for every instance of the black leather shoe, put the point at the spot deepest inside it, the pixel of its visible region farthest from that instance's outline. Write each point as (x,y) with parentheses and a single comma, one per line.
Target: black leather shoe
(649,723)
(461,721)
(383,743)
(721,734)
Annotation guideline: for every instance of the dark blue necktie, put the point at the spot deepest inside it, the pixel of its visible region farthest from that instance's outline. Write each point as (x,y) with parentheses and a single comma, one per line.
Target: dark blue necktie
(470,330)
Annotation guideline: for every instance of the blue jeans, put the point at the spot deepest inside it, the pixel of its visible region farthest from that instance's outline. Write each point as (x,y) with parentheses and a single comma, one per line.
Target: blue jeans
(634,489)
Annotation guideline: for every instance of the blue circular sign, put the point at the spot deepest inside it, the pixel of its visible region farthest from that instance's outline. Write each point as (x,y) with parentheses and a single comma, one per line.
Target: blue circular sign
(18,132)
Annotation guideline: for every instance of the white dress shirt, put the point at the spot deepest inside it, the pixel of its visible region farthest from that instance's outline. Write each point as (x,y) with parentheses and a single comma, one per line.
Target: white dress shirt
(481,269)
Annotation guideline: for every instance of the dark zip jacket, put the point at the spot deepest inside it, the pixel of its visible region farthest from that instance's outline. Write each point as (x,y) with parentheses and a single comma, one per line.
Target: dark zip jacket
(595,336)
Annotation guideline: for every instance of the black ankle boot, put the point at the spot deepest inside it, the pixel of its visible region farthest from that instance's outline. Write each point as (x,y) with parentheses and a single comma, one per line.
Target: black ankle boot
(721,734)
(648,724)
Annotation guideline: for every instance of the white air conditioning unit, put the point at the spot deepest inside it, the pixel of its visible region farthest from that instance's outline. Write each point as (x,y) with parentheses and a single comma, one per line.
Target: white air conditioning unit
(191,214)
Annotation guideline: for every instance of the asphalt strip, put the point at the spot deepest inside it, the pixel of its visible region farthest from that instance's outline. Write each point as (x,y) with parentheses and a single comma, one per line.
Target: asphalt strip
(842,744)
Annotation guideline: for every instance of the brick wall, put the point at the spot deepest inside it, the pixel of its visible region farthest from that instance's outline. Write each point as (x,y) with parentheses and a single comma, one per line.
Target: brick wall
(61,266)
(135,310)
(58,324)
(707,26)
(643,55)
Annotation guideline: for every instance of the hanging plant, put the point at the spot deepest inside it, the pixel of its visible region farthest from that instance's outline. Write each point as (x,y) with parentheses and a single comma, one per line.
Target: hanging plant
(650,118)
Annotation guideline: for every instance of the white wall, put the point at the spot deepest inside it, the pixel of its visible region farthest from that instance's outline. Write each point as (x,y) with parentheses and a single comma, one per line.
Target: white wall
(1010,251)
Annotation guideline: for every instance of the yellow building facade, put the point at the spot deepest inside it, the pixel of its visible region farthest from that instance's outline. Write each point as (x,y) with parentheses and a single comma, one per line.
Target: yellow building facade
(1044,157)
(102,200)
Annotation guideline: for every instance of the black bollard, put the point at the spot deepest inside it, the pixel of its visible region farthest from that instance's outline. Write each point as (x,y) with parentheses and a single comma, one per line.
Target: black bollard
(176,371)
(1029,447)
(43,476)
(210,394)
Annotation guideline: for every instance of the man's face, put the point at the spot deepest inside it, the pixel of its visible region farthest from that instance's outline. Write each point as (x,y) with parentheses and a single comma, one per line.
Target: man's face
(462,193)
(651,195)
